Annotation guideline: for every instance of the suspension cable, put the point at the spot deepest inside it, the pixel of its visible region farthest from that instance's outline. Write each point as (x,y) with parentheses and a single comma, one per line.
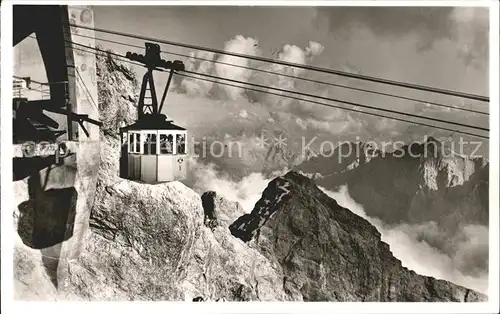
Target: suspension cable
(295,65)
(294,77)
(123,59)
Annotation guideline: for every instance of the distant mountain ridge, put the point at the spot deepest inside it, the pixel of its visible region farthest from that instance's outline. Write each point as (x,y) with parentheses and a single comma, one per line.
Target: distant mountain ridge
(403,176)
(447,190)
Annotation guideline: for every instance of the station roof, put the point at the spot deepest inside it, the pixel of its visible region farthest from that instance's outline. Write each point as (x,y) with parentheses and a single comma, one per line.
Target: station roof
(150,122)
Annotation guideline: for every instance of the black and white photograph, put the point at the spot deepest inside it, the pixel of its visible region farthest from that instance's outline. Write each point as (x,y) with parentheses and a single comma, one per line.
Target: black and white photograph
(244,156)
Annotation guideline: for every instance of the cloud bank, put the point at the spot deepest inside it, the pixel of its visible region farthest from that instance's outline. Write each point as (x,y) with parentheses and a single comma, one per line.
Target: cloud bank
(412,244)
(466,27)
(316,118)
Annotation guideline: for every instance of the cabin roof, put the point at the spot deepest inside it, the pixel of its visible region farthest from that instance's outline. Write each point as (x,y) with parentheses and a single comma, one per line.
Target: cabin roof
(152,123)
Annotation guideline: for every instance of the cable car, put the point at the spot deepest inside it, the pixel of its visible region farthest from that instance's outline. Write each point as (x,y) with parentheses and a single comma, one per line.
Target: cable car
(154,149)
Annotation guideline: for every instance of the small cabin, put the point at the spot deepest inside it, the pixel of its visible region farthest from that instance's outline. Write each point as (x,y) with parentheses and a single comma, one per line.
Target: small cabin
(153,150)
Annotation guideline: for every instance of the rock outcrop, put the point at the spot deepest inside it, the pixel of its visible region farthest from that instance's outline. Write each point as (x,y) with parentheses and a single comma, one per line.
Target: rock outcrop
(219,211)
(148,242)
(118,93)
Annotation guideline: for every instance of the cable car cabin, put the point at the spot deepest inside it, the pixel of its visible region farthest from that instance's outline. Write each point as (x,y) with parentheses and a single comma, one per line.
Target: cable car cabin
(153,151)
(153,148)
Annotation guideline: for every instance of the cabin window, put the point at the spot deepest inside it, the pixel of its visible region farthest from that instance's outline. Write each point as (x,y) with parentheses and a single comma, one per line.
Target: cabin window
(166,143)
(180,140)
(153,143)
(137,143)
(131,142)
(150,144)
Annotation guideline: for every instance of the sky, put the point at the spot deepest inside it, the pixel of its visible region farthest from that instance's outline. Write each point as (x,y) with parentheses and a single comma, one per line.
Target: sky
(442,47)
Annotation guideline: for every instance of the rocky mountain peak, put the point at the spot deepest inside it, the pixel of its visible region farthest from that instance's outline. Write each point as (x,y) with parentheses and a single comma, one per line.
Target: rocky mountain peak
(326,252)
(290,190)
(248,225)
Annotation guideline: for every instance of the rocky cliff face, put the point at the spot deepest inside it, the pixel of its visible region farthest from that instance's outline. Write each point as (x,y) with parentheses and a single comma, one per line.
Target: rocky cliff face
(166,242)
(149,243)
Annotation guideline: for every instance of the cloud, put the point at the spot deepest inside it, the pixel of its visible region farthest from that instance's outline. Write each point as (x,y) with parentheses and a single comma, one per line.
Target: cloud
(195,87)
(247,191)
(414,246)
(430,23)
(467,26)
(314,49)
(243,113)
(308,116)
(470,31)
(345,125)
(239,44)
(288,53)
(248,46)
